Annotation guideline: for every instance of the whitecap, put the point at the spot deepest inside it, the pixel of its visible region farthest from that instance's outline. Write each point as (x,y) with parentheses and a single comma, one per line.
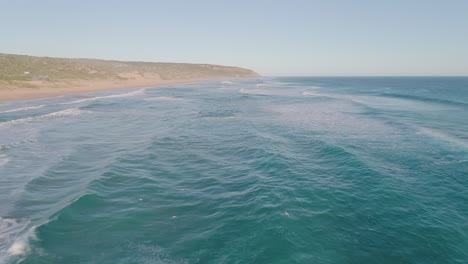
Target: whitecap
(443,136)
(332,117)
(326,95)
(310,94)
(23,109)
(66,112)
(9,227)
(18,248)
(256,92)
(227,83)
(226,88)
(270,83)
(138,92)
(14,240)
(234,116)
(164,98)
(268,92)
(3,159)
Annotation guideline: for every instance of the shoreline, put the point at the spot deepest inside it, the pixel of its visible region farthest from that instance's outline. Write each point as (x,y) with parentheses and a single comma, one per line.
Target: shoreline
(47,90)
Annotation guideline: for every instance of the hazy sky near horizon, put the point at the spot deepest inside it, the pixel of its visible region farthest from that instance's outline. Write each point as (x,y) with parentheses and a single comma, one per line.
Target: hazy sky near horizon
(289,37)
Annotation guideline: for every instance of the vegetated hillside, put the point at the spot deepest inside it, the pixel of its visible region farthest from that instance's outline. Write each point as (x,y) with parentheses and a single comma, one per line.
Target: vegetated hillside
(17,68)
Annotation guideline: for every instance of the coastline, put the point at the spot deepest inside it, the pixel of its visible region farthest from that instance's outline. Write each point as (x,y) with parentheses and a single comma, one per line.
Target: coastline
(47,90)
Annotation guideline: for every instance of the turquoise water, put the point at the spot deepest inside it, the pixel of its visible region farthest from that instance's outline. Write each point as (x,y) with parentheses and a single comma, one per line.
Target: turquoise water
(277,170)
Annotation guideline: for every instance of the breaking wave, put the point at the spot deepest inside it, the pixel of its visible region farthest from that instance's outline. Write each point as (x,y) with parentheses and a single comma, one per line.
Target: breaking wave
(270,83)
(443,136)
(324,95)
(164,98)
(23,109)
(3,159)
(14,238)
(227,83)
(66,112)
(267,92)
(134,93)
(253,178)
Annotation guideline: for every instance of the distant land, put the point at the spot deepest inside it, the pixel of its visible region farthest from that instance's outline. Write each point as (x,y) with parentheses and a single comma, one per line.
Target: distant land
(27,77)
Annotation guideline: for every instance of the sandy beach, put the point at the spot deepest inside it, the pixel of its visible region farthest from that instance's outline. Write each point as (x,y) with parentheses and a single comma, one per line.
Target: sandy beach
(25,77)
(44,89)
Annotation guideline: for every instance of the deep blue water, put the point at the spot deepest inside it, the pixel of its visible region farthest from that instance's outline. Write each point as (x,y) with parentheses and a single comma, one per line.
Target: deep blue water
(276,170)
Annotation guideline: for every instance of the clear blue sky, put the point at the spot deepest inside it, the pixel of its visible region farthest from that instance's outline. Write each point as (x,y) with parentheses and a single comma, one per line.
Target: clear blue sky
(288,37)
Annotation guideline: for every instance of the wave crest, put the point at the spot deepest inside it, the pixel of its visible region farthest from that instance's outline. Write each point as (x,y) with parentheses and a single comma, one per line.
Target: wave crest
(66,112)
(23,109)
(13,237)
(138,92)
(164,98)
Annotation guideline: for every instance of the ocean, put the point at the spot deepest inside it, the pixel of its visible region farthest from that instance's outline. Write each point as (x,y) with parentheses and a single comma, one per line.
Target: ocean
(274,170)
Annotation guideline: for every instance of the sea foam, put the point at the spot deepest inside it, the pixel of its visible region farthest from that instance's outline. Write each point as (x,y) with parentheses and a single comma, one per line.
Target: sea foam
(22,109)
(138,92)
(164,98)
(21,247)
(14,240)
(443,136)
(227,83)
(255,91)
(270,83)
(18,248)
(334,96)
(3,159)
(268,92)
(66,112)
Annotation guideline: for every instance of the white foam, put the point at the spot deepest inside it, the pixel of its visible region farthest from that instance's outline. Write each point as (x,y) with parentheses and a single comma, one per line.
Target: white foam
(66,112)
(270,83)
(356,99)
(229,88)
(311,94)
(444,137)
(3,159)
(138,92)
(227,83)
(235,116)
(14,240)
(253,91)
(268,92)
(164,98)
(23,109)
(335,96)
(333,117)
(18,248)
(257,92)
(9,227)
